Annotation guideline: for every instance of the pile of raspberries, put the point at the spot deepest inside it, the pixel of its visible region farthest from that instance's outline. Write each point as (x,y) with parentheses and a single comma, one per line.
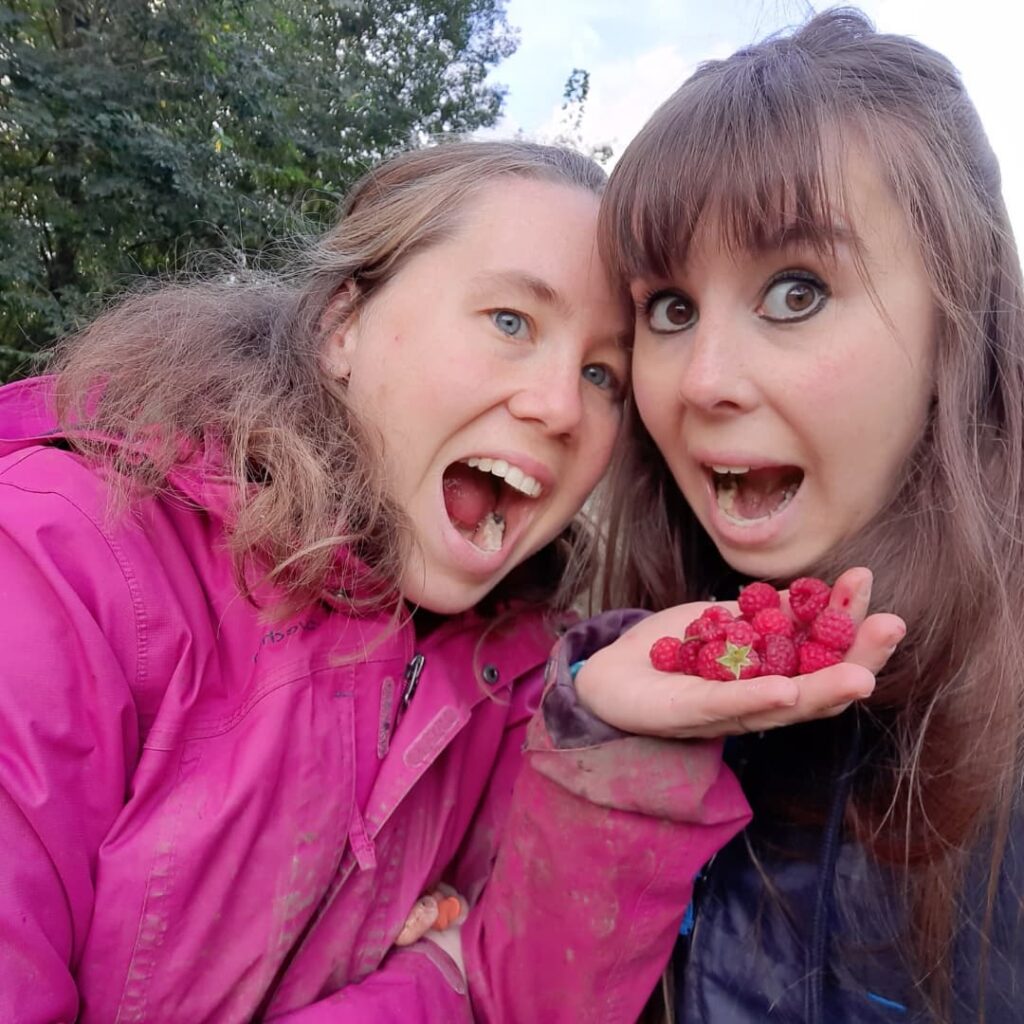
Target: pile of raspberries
(764,640)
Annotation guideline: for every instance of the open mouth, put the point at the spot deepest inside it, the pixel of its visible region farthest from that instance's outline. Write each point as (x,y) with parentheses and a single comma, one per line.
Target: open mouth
(487,497)
(748,496)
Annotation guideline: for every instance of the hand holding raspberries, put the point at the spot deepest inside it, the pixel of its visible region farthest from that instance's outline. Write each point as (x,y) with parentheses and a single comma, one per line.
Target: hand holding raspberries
(764,640)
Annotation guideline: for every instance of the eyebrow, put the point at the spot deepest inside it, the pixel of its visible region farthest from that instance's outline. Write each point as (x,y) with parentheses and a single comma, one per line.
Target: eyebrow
(524,282)
(805,233)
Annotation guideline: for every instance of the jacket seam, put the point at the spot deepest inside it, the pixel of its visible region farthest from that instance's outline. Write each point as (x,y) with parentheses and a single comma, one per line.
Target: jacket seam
(123,564)
(167,739)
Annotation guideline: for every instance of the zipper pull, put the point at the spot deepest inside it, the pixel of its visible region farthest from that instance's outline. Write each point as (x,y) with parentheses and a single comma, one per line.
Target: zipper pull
(412,678)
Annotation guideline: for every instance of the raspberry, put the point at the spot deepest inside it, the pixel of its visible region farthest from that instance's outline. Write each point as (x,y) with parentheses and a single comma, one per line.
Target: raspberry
(815,656)
(724,661)
(780,656)
(756,597)
(666,654)
(742,634)
(708,665)
(807,597)
(773,622)
(688,657)
(752,668)
(705,630)
(718,613)
(833,629)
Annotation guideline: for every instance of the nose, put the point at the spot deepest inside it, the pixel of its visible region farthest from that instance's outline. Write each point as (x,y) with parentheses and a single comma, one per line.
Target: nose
(550,392)
(717,373)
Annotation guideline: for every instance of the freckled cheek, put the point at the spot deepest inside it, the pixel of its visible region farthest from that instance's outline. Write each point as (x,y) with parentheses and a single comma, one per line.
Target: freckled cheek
(655,395)
(861,392)
(662,422)
(597,452)
(653,366)
(820,400)
(863,418)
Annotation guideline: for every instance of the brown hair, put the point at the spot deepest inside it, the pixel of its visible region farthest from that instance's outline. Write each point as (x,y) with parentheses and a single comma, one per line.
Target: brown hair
(748,144)
(236,362)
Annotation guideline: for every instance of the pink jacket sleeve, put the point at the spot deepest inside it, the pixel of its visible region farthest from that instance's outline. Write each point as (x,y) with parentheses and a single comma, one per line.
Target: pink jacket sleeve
(593,876)
(67,740)
(601,843)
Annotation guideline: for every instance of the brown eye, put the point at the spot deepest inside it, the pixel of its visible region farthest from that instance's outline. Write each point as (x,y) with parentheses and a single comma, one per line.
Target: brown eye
(793,298)
(800,298)
(670,312)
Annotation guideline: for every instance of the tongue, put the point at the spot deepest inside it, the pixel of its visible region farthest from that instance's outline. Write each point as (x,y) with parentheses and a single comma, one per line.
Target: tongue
(468,494)
(760,492)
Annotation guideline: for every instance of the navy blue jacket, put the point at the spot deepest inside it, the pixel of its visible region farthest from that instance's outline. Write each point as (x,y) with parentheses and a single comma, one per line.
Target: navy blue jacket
(793,924)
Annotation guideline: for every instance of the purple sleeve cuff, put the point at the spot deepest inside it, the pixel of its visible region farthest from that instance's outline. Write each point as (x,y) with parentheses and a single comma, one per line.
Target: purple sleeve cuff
(568,722)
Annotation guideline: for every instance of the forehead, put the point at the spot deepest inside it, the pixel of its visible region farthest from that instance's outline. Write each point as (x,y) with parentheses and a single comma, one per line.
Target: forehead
(544,227)
(528,209)
(526,241)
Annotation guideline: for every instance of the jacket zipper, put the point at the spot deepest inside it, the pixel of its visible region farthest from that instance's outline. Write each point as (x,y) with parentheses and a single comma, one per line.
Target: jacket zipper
(411,678)
(410,682)
(413,671)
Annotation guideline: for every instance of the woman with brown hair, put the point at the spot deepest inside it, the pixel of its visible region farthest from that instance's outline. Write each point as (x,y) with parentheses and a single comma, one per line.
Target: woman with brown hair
(829,370)
(279,559)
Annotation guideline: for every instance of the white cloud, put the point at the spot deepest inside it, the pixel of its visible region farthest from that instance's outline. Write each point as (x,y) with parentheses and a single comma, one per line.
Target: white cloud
(638,52)
(623,94)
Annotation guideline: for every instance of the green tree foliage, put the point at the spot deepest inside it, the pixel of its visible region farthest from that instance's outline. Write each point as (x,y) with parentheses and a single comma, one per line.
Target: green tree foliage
(574,108)
(134,131)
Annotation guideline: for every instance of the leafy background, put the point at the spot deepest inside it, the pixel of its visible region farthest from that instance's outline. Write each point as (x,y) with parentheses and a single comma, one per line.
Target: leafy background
(136,132)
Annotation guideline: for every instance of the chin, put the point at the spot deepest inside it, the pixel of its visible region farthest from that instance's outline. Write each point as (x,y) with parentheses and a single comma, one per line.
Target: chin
(768,565)
(446,597)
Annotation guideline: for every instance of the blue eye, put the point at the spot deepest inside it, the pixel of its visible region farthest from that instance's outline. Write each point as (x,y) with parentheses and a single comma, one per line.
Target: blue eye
(510,323)
(600,376)
(670,312)
(793,297)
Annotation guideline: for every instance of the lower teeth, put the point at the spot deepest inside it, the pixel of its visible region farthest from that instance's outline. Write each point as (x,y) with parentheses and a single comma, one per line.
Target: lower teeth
(727,491)
(490,532)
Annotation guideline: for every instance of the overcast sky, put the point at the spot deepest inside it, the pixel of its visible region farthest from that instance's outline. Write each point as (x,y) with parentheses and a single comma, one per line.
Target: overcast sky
(639,51)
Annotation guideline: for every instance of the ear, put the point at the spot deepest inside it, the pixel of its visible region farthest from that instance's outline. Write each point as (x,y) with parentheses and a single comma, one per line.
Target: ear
(340,327)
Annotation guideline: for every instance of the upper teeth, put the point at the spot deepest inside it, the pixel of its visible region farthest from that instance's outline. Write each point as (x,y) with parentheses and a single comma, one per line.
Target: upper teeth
(512,475)
(738,470)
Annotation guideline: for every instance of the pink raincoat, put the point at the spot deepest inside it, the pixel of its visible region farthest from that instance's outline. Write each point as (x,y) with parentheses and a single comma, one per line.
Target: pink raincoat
(206,817)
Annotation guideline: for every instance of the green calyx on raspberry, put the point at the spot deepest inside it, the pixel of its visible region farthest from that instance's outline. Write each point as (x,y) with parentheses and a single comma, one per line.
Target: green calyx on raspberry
(736,658)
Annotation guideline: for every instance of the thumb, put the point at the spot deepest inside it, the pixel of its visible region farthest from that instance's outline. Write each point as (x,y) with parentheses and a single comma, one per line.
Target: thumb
(418,923)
